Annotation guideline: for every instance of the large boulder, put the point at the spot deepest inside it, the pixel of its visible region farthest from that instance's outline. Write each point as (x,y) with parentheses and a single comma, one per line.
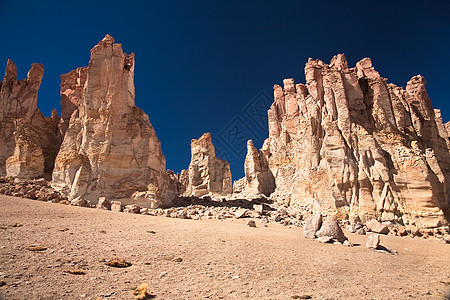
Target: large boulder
(110,148)
(351,144)
(29,141)
(312,225)
(208,174)
(332,229)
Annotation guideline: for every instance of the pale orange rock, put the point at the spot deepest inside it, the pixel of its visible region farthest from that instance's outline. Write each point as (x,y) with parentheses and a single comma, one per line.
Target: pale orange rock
(29,141)
(349,143)
(208,174)
(110,148)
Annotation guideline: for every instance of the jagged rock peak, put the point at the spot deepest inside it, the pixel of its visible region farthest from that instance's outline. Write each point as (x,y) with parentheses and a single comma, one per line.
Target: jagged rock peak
(109,143)
(29,140)
(208,174)
(347,142)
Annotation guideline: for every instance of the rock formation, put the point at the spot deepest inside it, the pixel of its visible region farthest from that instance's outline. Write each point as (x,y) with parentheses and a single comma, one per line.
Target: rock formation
(258,177)
(29,141)
(349,143)
(208,174)
(110,148)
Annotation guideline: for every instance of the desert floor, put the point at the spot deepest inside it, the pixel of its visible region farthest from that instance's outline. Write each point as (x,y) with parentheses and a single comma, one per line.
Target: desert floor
(220,259)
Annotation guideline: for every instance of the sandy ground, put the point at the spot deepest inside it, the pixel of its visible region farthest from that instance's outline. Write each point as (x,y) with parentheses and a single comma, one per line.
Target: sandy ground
(220,259)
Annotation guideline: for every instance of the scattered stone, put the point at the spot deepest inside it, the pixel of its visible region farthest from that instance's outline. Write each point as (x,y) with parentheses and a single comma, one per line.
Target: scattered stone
(132,208)
(177,259)
(117,262)
(141,292)
(251,223)
(63,229)
(312,225)
(331,228)
(75,271)
(258,208)
(103,204)
(361,231)
(325,239)
(347,243)
(80,201)
(301,297)
(116,206)
(373,241)
(240,213)
(375,226)
(2,283)
(36,248)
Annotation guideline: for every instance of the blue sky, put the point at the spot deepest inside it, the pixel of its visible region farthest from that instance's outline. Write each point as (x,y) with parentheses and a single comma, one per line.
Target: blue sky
(201,65)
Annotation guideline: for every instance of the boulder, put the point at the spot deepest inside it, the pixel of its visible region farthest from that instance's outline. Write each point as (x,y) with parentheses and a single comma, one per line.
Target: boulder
(116,206)
(240,213)
(373,241)
(103,203)
(375,226)
(312,225)
(330,227)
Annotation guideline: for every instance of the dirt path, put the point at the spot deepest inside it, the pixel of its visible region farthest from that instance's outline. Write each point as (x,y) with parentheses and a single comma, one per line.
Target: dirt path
(221,259)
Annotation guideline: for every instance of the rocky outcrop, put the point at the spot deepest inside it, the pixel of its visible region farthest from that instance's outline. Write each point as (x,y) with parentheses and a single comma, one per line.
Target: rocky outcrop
(29,141)
(72,86)
(178,181)
(110,148)
(208,174)
(349,143)
(258,177)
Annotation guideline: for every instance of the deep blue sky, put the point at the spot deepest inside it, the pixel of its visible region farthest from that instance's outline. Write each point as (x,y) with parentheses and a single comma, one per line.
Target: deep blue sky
(200,63)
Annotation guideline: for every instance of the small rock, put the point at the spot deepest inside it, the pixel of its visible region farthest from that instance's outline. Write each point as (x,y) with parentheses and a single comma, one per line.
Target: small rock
(373,241)
(79,201)
(251,223)
(325,239)
(347,243)
(447,239)
(361,231)
(116,206)
(103,204)
(258,209)
(132,208)
(240,213)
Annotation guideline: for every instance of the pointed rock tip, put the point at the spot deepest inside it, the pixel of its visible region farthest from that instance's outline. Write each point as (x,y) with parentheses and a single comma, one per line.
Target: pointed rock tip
(339,61)
(108,38)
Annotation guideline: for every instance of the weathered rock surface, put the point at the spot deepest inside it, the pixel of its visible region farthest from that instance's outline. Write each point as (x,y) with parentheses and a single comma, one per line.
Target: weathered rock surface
(208,174)
(373,241)
(377,227)
(258,177)
(29,141)
(330,227)
(349,143)
(110,148)
(312,225)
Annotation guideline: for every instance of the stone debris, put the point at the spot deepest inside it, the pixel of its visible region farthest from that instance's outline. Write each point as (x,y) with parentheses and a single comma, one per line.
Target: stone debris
(325,239)
(116,206)
(373,241)
(240,213)
(117,262)
(103,203)
(330,227)
(375,226)
(312,225)
(251,223)
(132,208)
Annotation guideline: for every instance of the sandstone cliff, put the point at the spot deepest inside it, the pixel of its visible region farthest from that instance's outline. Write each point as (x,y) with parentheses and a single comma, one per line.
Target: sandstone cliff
(208,174)
(29,141)
(110,148)
(348,142)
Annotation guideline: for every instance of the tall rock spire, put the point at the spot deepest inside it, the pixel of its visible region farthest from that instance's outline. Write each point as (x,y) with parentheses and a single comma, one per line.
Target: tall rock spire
(110,147)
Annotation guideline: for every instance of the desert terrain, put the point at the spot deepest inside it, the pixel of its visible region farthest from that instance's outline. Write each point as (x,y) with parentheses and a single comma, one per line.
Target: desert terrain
(202,259)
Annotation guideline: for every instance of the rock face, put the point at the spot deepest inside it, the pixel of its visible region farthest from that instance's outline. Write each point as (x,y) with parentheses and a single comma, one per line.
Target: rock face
(29,141)
(258,177)
(208,174)
(349,143)
(110,148)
